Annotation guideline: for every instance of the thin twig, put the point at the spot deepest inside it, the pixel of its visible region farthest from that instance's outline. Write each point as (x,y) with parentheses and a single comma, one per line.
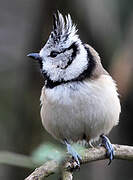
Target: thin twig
(88,155)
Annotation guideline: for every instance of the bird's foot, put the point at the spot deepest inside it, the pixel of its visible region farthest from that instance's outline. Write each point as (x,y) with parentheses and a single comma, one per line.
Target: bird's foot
(110,150)
(74,154)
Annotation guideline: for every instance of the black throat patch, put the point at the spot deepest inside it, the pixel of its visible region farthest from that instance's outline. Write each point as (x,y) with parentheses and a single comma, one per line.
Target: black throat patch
(84,75)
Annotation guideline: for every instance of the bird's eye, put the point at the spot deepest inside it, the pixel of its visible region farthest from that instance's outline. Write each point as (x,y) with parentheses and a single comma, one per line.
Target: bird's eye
(54,54)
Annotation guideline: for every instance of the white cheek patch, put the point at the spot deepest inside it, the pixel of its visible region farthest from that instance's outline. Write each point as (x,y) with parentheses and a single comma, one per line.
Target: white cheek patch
(64,60)
(79,64)
(52,71)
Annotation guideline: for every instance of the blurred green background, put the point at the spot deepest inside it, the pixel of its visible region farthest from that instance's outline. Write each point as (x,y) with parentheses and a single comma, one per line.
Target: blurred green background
(107,25)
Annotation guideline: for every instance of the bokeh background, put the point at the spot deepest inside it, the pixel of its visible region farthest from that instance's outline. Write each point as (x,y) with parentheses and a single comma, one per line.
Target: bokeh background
(107,25)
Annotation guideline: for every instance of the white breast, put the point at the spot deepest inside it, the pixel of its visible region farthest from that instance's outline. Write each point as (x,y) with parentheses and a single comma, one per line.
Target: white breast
(73,110)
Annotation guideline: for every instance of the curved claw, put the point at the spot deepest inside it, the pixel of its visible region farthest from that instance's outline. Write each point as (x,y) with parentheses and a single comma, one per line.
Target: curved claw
(110,150)
(74,154)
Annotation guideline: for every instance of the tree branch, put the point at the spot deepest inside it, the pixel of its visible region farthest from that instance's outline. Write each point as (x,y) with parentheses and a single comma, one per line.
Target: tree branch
(67,175)
(88,155)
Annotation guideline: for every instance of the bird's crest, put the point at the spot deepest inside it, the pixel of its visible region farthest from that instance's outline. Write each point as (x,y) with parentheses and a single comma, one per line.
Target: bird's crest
(63,28)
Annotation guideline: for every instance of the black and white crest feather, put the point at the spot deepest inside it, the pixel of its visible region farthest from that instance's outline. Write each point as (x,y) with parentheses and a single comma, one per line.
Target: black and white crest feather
(63,28)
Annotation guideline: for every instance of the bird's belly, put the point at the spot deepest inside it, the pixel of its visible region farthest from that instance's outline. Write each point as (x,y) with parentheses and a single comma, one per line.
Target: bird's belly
(63,121)
(78,111)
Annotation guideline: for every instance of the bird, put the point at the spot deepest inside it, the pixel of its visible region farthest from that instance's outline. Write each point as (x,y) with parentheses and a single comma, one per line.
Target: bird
(79,99)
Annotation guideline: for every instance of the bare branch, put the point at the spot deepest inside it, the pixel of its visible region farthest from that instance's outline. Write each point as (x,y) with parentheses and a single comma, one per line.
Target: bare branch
(67,175)
(88,155)
(45,170)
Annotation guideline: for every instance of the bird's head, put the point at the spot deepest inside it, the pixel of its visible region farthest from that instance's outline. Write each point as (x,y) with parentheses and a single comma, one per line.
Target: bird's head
(63,57)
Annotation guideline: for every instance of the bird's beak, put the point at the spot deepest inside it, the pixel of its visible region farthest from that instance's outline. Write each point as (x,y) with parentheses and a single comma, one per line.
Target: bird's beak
(35,56)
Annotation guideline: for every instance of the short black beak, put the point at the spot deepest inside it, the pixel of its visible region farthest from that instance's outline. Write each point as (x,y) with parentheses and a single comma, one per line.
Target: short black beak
(35,56)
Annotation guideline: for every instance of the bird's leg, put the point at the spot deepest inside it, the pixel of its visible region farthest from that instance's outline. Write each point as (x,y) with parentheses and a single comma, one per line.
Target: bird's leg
(74,154)
(110,150)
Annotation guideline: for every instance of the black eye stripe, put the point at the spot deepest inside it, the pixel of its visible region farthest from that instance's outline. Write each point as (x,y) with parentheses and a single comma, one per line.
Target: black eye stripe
(54,53)
(74,47)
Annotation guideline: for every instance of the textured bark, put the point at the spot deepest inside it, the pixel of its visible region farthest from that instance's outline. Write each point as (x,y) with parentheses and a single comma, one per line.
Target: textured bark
(67,175)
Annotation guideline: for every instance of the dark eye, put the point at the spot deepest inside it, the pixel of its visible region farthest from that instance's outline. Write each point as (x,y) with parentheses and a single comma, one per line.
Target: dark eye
(54,54)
